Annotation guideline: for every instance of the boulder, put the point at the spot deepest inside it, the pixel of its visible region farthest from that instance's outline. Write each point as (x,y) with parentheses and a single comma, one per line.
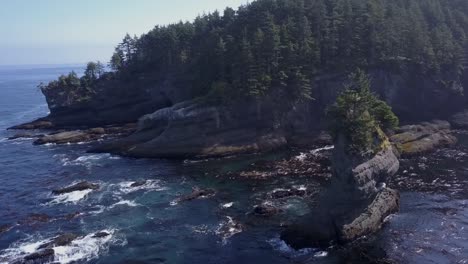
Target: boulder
(84,185)
(425,137)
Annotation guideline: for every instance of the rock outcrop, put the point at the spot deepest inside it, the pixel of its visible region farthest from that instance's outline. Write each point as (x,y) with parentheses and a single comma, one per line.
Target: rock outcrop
(81,186)
(77,136)
(425,137)
(460,120)
(198,129)
(355,204)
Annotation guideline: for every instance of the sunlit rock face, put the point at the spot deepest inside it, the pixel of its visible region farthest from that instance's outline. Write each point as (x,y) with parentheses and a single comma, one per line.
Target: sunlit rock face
(357,201)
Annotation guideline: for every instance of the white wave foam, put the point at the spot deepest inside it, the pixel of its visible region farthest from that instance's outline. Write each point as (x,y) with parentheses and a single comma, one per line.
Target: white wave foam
(83,249)
(150,185)
(86,160)
(19,250)
(228,228)
(71,197)
(281,246)
(227,205)
(315,151)
(125,202)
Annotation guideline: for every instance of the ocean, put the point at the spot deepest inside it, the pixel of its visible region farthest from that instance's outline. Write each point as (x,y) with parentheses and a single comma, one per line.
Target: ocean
(146,224)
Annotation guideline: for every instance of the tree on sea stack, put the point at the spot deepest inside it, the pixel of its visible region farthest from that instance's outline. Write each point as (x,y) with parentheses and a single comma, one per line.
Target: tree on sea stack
(358,116)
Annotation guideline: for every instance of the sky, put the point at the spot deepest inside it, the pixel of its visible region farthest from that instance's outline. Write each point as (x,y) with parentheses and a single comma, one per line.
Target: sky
(78,31)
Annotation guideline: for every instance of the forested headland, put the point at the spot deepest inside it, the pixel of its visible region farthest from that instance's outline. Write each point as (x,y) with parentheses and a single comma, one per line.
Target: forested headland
(281,46)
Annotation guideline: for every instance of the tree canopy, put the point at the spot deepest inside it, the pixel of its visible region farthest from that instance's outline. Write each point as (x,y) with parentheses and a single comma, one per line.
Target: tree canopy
(283,44)
(359,115)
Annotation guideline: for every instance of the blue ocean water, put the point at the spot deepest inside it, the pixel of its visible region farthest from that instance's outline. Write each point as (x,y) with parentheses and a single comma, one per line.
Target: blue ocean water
(147,225)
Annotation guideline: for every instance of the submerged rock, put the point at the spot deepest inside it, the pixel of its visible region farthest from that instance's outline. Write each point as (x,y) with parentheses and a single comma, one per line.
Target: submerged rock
(5,228)
(197,193)
(42,256)
(283,193)
(425,137)
(101,235)
(61,240)
(266,210)
(36,218)
(138,183)
(84,185)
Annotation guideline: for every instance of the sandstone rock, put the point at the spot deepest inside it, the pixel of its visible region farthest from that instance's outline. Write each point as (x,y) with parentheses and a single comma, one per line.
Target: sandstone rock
(198,129)
(385,203)
(352,206)
(37,124)
(77,187)
(97,130)
(425,137)
(64,137)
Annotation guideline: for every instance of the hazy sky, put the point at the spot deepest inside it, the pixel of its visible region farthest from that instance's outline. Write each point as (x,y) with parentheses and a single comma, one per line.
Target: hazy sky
(76,31)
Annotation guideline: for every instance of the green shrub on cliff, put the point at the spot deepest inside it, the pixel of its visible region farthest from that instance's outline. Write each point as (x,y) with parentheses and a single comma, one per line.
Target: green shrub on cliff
(358,115)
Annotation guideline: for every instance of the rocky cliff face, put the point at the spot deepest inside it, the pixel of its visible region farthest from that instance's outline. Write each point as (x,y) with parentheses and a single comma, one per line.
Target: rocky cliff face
(197,128)
(356,202)
(173,124)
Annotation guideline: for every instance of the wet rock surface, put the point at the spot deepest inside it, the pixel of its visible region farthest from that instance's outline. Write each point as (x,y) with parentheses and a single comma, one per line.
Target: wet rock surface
(25,135)
(61,240)
(42,256)
(196,194)
(266,210)
(41,123)
(92,134)
(77,187)
(5,228)
(422,138)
